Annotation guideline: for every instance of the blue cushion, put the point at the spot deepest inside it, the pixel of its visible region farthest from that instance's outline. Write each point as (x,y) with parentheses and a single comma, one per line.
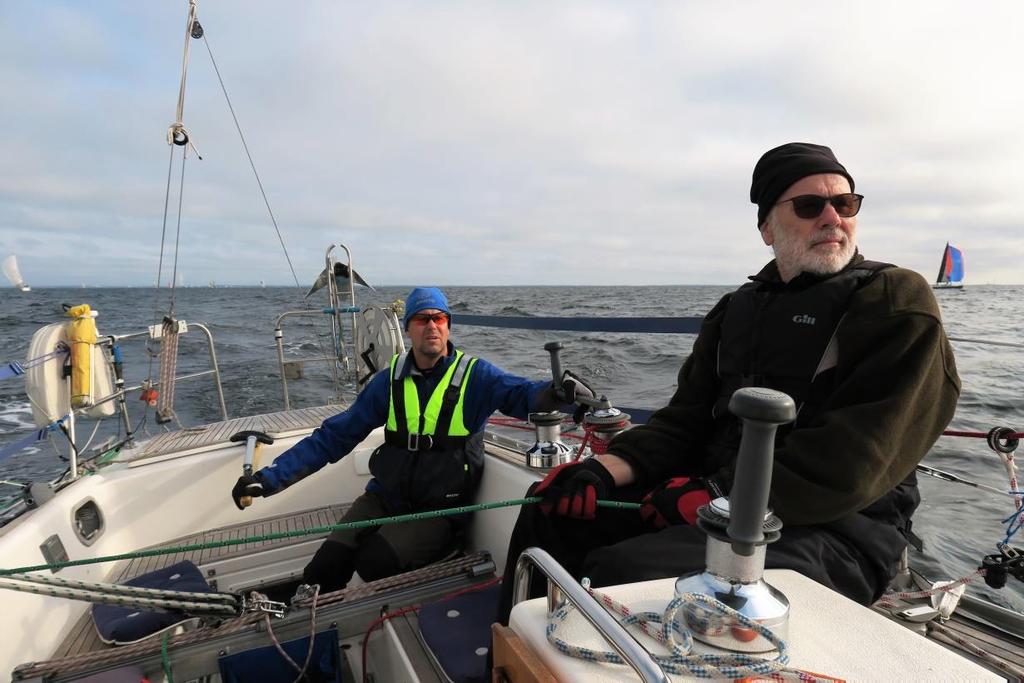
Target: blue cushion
(266,665)
(458,632)
(120,625)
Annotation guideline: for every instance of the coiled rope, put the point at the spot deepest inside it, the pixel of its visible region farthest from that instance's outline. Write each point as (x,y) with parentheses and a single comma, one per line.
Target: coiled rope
(667,629)
(598,436)
(168,371)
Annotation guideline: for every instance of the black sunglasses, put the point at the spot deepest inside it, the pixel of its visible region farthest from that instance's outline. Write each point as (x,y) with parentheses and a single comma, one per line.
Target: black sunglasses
(811,205)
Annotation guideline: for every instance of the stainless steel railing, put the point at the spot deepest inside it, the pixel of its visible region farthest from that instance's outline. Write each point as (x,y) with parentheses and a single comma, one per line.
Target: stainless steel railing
(563,587)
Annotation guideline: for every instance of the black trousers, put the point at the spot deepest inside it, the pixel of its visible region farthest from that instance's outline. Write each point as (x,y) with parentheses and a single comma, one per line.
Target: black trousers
(616,547)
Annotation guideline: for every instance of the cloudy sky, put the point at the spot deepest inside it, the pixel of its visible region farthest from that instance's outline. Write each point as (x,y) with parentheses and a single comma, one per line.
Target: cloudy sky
(501,142)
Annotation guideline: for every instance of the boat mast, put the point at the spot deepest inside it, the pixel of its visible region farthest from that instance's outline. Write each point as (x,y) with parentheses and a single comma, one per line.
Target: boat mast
(176,133)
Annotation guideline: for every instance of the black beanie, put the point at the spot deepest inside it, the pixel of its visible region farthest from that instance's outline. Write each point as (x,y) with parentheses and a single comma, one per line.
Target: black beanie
(779,168)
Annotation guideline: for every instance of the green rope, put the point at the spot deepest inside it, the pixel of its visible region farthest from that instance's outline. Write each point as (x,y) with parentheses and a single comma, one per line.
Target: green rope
(304,532)
(107,457)
(165,661)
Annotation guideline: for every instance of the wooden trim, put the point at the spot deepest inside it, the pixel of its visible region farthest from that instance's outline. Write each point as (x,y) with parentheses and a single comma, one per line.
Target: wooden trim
(514,662)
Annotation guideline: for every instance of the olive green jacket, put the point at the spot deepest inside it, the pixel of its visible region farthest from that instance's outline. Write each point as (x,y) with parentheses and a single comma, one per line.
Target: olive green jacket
(895,390)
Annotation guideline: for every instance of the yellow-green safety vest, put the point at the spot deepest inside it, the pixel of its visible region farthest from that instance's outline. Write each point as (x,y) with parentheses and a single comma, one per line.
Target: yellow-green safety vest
(444,406)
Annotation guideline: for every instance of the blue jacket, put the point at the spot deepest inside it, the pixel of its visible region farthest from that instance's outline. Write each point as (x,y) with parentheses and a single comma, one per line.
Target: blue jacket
(489,389)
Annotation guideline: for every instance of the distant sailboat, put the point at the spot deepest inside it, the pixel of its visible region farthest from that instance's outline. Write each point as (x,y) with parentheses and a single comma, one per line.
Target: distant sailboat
(13,273)
(951,270)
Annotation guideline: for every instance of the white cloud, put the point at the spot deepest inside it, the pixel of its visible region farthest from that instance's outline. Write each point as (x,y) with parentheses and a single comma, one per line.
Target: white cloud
(497,143)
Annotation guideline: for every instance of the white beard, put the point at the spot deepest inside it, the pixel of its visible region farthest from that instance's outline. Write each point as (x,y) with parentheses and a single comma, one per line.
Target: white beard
(795,256)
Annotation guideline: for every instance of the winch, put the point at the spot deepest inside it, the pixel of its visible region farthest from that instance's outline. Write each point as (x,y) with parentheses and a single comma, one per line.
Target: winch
(601,421)
(739,529)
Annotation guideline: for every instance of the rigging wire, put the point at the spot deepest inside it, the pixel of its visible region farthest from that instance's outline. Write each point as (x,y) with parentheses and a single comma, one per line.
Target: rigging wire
(252,164)
(163,240)
(177,235)
(273,219)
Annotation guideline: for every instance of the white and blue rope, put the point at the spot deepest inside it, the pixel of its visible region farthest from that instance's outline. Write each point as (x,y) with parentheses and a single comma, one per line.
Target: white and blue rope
(670,630)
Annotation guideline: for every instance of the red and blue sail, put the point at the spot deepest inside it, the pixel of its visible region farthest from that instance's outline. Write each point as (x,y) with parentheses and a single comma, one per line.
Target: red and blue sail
(951,270)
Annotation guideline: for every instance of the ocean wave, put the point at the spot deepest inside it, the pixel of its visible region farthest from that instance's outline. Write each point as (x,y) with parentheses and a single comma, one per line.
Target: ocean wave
(16,416)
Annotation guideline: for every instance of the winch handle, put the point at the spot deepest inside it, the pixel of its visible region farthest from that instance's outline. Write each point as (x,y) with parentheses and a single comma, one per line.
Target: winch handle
(253,440)
(556,363)
(762,411)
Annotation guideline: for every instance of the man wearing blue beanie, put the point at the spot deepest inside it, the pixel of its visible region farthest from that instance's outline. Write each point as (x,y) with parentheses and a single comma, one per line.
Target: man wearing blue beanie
(422,298)
(433,402)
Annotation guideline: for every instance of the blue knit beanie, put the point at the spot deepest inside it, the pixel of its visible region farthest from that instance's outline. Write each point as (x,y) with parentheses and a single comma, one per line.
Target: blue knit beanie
(421,298)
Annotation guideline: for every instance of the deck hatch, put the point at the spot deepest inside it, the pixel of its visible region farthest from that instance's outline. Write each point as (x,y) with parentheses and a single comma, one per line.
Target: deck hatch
(88,521)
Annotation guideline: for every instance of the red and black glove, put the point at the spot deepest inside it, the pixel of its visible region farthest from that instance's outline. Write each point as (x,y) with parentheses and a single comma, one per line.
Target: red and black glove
(674,502)
(573,489)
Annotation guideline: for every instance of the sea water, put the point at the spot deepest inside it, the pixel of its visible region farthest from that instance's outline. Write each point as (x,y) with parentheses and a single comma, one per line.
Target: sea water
(959,524)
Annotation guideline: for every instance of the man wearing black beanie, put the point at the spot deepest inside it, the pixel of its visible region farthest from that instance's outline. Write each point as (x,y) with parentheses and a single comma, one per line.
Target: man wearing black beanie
(859,346)
(806,209)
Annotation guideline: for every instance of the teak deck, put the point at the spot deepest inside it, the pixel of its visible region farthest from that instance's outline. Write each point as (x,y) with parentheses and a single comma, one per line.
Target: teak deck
(280,424)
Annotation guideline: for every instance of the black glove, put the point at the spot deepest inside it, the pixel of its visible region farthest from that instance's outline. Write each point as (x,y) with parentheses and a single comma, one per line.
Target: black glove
(675,502)
(573,387)
(247,485)
(555,396)
(573,489)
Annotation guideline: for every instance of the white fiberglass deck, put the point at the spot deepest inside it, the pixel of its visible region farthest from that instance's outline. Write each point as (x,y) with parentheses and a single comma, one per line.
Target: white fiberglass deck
(828,634)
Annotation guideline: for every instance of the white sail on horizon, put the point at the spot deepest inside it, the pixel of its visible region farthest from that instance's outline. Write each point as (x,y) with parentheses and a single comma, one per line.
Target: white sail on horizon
(13,273)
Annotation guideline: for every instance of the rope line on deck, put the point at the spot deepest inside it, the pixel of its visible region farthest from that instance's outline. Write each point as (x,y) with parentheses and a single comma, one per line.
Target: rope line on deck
(397,519)
(122,589)
(940,632)
(108,598)
(665,628)
(243,623)
(889,599)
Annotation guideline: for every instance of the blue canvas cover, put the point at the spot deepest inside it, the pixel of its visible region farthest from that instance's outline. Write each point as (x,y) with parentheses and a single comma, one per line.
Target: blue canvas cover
(266,665)
(458,632)
(121,625)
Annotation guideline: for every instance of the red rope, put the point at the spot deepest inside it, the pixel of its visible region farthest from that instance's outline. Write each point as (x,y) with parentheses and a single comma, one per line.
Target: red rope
(415,608)
(598,444)
(982,435)
(519,424)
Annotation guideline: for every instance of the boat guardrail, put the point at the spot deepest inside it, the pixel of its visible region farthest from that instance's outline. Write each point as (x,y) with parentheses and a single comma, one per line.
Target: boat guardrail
(153,333)
(284,365)
(120,391)
(990,342)
(563,587)
(335,310)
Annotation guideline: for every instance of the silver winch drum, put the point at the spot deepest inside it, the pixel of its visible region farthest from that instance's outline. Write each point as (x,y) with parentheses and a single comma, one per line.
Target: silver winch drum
(548,451)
